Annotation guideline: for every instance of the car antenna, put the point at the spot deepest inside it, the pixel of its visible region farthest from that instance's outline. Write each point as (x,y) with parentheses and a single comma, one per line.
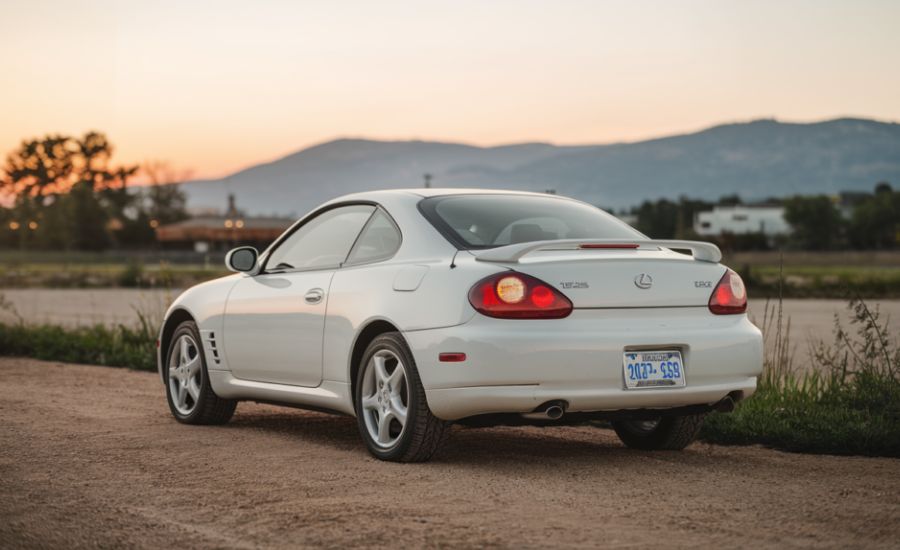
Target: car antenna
(453,260)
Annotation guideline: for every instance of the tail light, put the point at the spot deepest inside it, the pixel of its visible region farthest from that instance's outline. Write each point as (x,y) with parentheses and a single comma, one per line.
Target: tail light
(729,296)
(511,295)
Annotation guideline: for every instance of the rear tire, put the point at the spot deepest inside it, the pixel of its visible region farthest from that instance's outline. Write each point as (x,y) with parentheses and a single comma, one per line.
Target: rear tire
(391,411)
(668,433)
(191,398)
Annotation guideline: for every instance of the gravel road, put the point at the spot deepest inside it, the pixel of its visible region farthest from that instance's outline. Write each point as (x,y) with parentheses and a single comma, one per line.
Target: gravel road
(89,457)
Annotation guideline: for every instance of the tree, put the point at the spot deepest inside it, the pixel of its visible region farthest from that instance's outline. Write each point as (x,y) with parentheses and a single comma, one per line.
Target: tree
(658,220)
(39,168)
(665,219)
(876,221)
(815,221)
(66,192)
(165,202)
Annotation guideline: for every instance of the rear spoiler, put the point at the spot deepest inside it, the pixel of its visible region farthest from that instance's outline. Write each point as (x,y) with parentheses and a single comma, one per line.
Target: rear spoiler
(704,252)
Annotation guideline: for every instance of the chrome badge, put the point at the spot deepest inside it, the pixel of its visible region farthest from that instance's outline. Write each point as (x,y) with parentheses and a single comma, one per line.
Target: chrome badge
(644,281)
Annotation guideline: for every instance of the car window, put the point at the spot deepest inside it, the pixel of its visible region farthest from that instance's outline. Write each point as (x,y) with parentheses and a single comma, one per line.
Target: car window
(379,240)
(322,242)
(485,221)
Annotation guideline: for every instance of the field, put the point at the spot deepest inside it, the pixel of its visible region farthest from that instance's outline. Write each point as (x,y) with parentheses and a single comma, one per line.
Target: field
(837,275)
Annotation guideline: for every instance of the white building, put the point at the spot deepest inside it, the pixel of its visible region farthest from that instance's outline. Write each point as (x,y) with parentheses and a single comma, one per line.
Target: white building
(768,220)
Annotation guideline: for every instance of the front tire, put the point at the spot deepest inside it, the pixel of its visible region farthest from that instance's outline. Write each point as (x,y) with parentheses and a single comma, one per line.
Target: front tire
(668,433)
(392,413)
(191,398)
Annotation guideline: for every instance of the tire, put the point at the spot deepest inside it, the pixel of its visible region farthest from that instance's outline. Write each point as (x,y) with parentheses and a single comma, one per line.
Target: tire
(669,433)
(191,398)
(380,396)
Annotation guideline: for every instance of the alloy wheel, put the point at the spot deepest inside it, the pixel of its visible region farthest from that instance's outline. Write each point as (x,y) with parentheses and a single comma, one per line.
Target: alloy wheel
(385,398)
(185,371)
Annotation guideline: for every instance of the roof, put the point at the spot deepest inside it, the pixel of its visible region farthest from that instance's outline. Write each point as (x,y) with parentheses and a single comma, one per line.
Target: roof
(434,192)
(440,191)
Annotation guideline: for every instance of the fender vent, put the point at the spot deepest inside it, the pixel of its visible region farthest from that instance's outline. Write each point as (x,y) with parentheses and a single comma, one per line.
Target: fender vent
(209,344)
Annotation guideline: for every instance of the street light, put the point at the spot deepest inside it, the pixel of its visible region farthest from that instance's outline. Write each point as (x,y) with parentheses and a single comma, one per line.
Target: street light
(14,226)
(32,225)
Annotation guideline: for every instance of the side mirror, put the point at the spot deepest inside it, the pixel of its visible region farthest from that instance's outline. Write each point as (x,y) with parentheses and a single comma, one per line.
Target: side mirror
(242,260)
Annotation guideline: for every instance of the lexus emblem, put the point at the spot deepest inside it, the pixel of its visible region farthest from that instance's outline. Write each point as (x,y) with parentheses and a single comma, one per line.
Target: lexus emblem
(644,281)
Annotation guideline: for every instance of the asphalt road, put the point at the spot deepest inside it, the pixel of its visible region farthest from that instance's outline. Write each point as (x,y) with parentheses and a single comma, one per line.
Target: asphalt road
(90,457)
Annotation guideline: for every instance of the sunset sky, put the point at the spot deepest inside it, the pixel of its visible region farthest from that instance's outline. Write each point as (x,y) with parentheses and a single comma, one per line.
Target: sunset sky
(216,86)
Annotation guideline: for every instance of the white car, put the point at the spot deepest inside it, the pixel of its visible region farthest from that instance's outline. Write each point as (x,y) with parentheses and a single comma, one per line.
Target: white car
(415,309)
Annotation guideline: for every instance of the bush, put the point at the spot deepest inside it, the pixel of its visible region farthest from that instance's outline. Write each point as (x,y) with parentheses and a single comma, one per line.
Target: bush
(132,276)
(119,346)
(849,405)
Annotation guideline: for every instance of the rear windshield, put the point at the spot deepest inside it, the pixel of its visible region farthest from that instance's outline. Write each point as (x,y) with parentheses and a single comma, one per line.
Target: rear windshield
(487,221)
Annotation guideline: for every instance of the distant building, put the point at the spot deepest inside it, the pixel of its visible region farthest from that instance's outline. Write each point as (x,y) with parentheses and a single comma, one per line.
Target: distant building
(220,232)
(742,219)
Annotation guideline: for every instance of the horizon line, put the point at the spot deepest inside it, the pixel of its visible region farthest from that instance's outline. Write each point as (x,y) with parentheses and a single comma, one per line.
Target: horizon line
(439,141)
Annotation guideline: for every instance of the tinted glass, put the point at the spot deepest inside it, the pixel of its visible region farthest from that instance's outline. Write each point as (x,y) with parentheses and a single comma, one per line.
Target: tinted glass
(323,241)
(379,240)
(486,221)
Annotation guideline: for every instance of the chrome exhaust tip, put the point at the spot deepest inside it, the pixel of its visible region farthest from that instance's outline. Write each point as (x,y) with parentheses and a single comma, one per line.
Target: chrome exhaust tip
(554,412)
(551,410)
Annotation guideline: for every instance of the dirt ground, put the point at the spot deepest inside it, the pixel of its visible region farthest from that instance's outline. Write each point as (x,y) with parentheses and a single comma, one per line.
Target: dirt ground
(90,457)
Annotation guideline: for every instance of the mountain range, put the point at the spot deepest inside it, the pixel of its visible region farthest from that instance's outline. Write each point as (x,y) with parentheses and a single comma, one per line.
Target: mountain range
(756,160)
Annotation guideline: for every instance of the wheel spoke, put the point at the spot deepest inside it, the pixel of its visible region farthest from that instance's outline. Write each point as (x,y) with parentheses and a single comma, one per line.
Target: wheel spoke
(398,410)
(181,397)
(185,353)
(384,428)
(193,366)
(381,374)
(395,380)
(193,389)
(371,402)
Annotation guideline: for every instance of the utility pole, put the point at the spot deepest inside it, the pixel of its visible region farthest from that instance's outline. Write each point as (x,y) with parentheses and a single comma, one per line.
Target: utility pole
(427,180)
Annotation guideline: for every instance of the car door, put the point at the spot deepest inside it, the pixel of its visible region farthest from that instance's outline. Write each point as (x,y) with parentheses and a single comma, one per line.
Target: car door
(274,321)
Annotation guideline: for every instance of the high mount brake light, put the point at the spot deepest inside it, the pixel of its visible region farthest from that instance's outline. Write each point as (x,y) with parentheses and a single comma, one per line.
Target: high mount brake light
(511,295)
(614,246)
(729,296)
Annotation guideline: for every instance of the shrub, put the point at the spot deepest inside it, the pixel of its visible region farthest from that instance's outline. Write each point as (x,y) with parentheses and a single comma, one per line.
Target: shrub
(849,403)
(118,346)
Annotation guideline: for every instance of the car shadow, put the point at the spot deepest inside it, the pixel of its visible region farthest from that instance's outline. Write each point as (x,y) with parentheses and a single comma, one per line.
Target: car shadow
(482,447)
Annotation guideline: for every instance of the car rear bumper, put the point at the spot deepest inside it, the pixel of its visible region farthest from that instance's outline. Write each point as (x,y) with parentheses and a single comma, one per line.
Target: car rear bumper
(513,366)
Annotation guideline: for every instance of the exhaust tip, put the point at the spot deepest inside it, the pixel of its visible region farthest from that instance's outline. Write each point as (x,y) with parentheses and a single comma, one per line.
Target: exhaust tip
(554,412)
(549,410)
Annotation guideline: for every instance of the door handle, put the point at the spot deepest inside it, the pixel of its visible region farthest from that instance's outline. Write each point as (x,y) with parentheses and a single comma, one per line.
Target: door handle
(314,296)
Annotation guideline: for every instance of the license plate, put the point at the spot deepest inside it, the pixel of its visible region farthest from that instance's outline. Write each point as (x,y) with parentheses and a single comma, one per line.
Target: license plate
(653,369)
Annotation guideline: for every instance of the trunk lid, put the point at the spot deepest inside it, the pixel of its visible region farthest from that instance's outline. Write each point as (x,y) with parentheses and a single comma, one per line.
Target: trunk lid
(623,278)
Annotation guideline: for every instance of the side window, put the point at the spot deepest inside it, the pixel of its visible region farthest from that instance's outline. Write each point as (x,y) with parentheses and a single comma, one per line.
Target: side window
(322,242)
(379,240)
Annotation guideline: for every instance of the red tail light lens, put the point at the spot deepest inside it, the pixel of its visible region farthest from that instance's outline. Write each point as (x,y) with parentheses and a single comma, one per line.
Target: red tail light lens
(511,295)
(729,296)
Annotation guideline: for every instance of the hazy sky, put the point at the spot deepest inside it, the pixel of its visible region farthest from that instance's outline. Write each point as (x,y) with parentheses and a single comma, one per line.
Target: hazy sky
(215,86)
